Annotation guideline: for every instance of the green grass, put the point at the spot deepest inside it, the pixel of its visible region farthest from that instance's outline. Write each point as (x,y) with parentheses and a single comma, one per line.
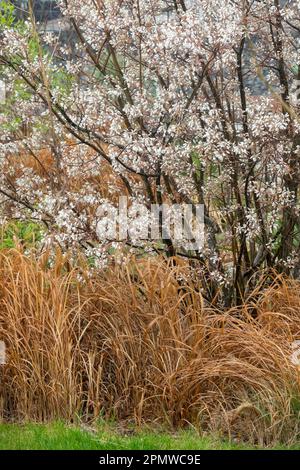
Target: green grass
(58,436)
(26,233)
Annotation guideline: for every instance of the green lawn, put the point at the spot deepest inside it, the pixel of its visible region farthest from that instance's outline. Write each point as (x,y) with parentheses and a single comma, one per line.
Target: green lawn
(58,436)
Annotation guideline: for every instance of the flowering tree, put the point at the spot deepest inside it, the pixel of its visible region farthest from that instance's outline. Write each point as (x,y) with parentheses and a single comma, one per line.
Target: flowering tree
(164,101)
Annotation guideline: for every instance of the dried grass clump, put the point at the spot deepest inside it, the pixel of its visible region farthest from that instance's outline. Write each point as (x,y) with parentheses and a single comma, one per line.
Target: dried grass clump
(134,342)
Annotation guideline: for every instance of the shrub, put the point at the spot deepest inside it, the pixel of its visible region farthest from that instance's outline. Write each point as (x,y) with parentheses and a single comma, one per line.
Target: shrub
(131,343)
